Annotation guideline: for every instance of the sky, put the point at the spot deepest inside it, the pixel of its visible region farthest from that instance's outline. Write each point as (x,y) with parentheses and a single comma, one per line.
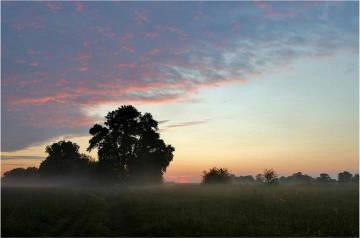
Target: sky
(242,85)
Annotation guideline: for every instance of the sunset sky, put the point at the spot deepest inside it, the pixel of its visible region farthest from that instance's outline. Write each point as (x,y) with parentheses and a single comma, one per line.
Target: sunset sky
(242,85)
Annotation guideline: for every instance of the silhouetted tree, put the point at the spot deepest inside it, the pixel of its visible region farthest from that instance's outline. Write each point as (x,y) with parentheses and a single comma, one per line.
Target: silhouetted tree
(64,160)
(344,177)
(300,178)
(324,178)
(217,176)
(21,175)
(270,176)
(129,147)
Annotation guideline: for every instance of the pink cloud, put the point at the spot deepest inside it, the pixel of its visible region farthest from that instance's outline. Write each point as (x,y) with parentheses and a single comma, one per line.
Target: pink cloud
(30,51)
(180,51)
(269,12)
(20,61)
(42,74)
(198,15)
(83,69)
(34,23)
(79,7)
(172,29)
(61,82)
(34,64)
(83,57)
(126,66)
(151,34)
(151,53)
(64,116)
(54,6)
(127,36)
(18,26)
(83,94)
(141,17)
(154,52)
(236,26)
(105,31)
(56,119)
(40,100)
(128,48)
(86,44)
(105,93)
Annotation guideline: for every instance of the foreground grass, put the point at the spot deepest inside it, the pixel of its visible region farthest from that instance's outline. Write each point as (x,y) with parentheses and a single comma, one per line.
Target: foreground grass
(181,210)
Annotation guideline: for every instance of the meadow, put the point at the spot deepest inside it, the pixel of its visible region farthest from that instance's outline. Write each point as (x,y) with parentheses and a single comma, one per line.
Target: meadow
(181,210)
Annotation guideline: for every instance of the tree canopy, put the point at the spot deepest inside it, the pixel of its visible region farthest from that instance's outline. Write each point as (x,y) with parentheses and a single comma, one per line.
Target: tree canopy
(345,177)
(270,176)
(129,146)
(64,159)
(324,178)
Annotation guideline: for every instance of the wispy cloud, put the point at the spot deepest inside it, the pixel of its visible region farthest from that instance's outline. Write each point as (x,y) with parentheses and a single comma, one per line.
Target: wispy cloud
(163,121)
(187,123)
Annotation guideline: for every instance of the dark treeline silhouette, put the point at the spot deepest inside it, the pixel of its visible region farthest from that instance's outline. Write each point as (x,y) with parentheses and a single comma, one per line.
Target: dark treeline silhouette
(269,176)
(21,174)
(129,150)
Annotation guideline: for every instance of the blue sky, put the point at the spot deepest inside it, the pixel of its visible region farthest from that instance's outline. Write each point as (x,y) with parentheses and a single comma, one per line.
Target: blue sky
(257,74)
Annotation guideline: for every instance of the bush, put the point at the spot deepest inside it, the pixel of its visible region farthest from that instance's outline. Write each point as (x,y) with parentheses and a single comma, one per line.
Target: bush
(217,176)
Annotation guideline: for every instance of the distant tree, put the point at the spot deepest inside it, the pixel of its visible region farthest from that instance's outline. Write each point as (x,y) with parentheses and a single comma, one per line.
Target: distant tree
(130,148)
(217,176)
(270,176)
(324,178)
(355,178)
(344,177)
(300,178)
(21,175)
(283,180)
(64,160)
(259,178)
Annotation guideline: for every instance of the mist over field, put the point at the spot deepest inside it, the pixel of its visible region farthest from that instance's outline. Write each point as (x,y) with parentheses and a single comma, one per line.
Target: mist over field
(181,210)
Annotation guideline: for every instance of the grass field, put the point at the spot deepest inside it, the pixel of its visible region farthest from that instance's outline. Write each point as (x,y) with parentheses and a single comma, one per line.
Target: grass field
(182,210)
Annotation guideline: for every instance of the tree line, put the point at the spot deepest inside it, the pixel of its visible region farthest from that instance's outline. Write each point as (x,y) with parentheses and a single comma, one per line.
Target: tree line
(269,176)
(129,146)
(130,150)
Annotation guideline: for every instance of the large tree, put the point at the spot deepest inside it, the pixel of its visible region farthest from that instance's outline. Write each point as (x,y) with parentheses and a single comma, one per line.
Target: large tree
(129,146)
